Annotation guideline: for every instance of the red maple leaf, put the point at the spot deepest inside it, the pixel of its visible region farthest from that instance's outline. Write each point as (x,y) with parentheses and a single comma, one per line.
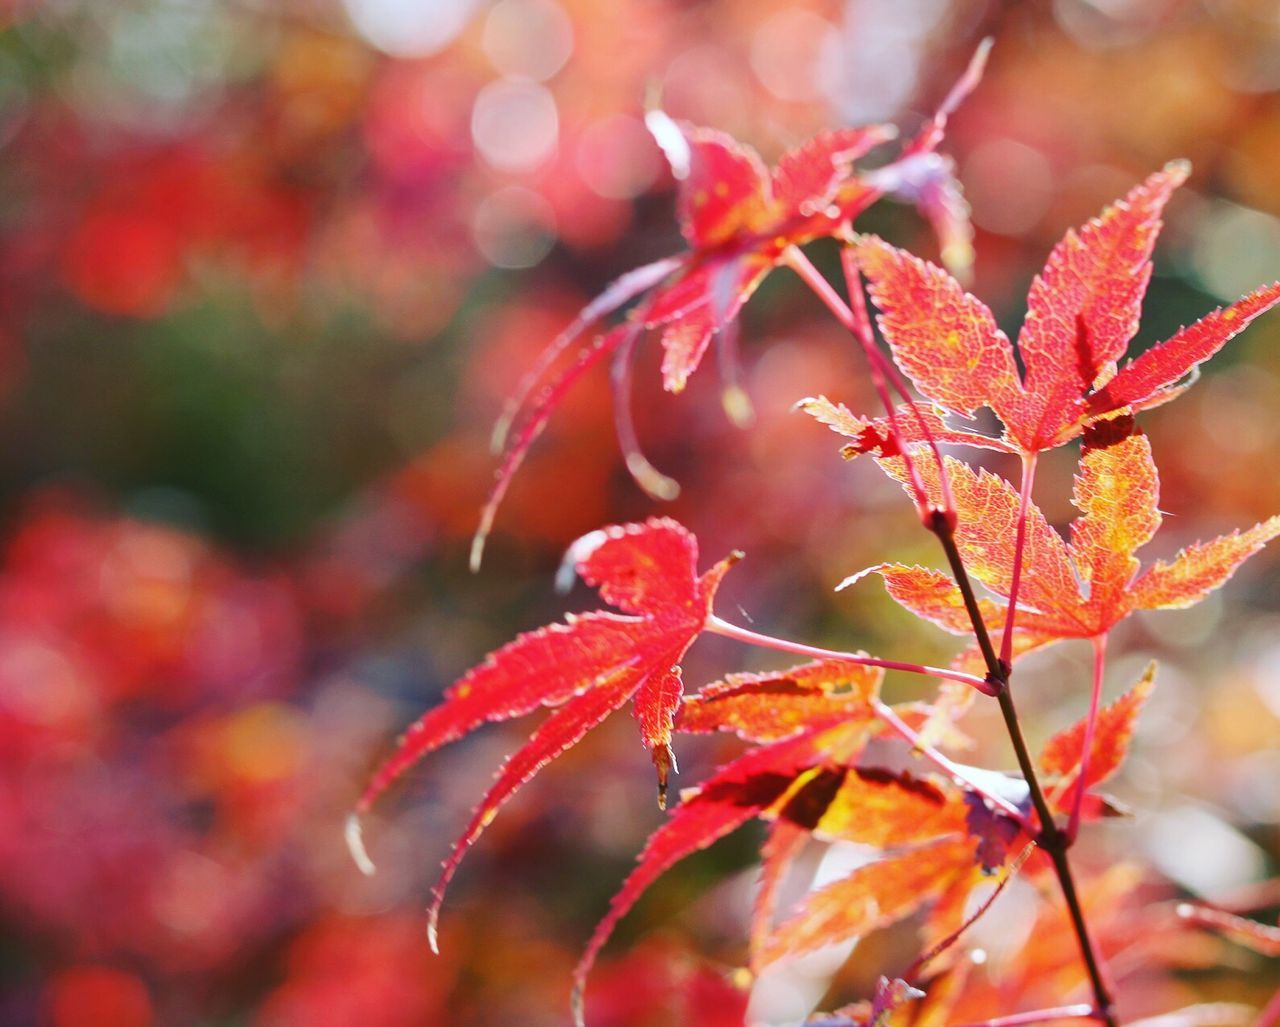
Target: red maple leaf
(1082,311)
(740,220)
(1076,589)
(585,669)
(806,780)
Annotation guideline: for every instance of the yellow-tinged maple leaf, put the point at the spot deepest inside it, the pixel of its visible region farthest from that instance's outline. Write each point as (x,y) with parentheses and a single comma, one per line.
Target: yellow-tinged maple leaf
(873,896)
(812,781)
(1079,589)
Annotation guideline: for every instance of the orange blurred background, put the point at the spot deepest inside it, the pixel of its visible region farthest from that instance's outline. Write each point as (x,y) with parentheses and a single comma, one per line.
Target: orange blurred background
(267,272)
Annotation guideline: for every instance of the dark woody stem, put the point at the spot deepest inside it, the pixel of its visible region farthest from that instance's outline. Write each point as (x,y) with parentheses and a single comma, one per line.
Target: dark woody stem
(1052,839)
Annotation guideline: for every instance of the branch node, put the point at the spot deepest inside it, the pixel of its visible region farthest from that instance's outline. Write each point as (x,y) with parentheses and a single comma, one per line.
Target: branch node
(940,521)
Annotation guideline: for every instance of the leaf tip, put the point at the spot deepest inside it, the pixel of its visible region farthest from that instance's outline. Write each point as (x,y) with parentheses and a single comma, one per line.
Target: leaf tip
(355,845)
(433,933)
(1147,683)
(853,579)
(1179,169)
(498,437)
(737,406)
(649,478)
(664,761)
(477,551)
(577,1004)
(671,141)
(969,80)
(579,552)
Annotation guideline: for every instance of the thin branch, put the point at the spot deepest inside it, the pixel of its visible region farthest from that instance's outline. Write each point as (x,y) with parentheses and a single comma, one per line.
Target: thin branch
(648,477)
(914,969)
(1090,727)
(722,627)
(733,396)
(1019,546)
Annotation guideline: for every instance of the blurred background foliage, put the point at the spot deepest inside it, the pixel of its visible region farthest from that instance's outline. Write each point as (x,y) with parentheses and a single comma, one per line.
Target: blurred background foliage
(267,271)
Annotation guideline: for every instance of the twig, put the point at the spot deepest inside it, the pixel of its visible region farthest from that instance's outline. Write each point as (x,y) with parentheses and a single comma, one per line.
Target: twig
(722,627)
(1020,544)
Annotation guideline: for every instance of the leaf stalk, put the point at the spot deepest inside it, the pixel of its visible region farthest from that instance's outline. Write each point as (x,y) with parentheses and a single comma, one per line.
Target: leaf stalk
(1019,548)
(1090,727)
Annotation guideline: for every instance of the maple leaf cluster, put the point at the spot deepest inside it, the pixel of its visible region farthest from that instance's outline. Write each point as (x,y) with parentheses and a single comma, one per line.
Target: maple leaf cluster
(824,755)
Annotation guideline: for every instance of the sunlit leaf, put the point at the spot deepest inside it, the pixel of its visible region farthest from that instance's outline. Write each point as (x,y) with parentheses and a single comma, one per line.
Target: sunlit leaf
(586,668)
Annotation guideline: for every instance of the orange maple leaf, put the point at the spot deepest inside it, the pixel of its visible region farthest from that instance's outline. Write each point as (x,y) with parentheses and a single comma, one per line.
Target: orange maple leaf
(1063,755)
(1079,589)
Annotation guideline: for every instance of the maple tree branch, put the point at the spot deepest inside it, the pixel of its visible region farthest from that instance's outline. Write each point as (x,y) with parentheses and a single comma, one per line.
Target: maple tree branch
(941,522)
(1080,1010)
(722,627)
(1051,838)
(1090,726)
(1019,546)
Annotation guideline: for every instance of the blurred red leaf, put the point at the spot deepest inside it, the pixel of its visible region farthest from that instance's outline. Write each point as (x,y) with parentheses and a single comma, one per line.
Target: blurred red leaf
(872,897)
